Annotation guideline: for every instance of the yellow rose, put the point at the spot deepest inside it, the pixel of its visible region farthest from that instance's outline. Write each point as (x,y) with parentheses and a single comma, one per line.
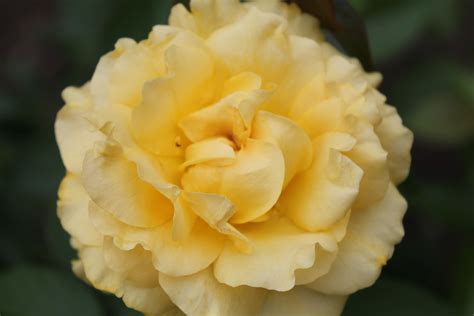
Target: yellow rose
(233,163)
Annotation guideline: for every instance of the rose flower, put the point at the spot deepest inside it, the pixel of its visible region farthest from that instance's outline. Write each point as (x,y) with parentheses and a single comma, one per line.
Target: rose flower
(233,163)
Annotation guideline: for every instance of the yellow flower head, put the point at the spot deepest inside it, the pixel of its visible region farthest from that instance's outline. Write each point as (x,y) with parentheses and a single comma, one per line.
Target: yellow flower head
(233,163)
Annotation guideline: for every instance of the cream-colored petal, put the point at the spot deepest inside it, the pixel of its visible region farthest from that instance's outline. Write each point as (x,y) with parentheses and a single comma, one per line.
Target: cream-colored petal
(302,301)
(279,248)
(293,142)
(230,117)
(397,140)
(321,266)
(73,211)
(194,253)
(321,196)
(154,120)
(188,256)
(213,151)
(253,183)
(113,184)
(120,74)
(370,156)
(256,43)
(309,96)
(211,15)
(368,244)
(244,81)
(75,134)
(300,23)
(202,294)
(304,64)
(216,210)
(147,298)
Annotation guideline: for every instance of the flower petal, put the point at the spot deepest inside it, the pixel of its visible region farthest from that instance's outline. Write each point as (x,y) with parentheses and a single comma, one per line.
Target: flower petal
(201,294)
(253,183)
(370,156)
(256,43)
(75,135)
(73,212)
(113,184)
(120,74)
(279,248)
(397,140)
(231,116)
(321,196)
(369,243)
(194,253)
(291,139)
(216,210)
(302,301)
(217,150)
(148,297)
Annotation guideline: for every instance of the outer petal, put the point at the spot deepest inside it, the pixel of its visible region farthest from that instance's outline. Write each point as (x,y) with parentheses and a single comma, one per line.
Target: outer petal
(194,253)
(120,74)
(73,212)
(146,297)
(397,140)
(369,243)
(75,135)
(113,183)
(291,139)
(166,99)
(256,42)
(201,294)
(302,301)
(370,156)
(279,248)
(322,195)
(253,183)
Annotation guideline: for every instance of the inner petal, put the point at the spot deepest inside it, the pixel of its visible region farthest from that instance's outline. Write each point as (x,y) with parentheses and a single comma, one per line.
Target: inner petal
(253,182)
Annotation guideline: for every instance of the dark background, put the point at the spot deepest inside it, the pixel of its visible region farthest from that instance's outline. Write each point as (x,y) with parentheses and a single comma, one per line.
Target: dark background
(425,50)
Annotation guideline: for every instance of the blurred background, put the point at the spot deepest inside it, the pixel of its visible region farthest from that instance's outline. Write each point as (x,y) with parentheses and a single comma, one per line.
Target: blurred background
(425,50)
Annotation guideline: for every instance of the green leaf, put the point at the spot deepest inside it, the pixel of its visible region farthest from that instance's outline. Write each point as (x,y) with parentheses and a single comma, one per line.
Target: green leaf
(36,291)
(347,27)
(391,297)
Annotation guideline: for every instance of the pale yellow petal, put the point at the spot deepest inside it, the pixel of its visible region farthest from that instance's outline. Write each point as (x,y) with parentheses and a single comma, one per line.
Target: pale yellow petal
(371,157)
(188,256)
(202,294)
(256,43)
(291,139)
(321,117)
(73,212)
(154,120)
(279,248)
(211,15)
(300,23)
(253,183)
(321,196)
(213,151)
(75,134)
(397,140)
(230,117)
(368,244)
(302,301)
(113,184)
(216,210)
(120,74)
(321,266)
(304,63)
(146,297)
(244,81)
